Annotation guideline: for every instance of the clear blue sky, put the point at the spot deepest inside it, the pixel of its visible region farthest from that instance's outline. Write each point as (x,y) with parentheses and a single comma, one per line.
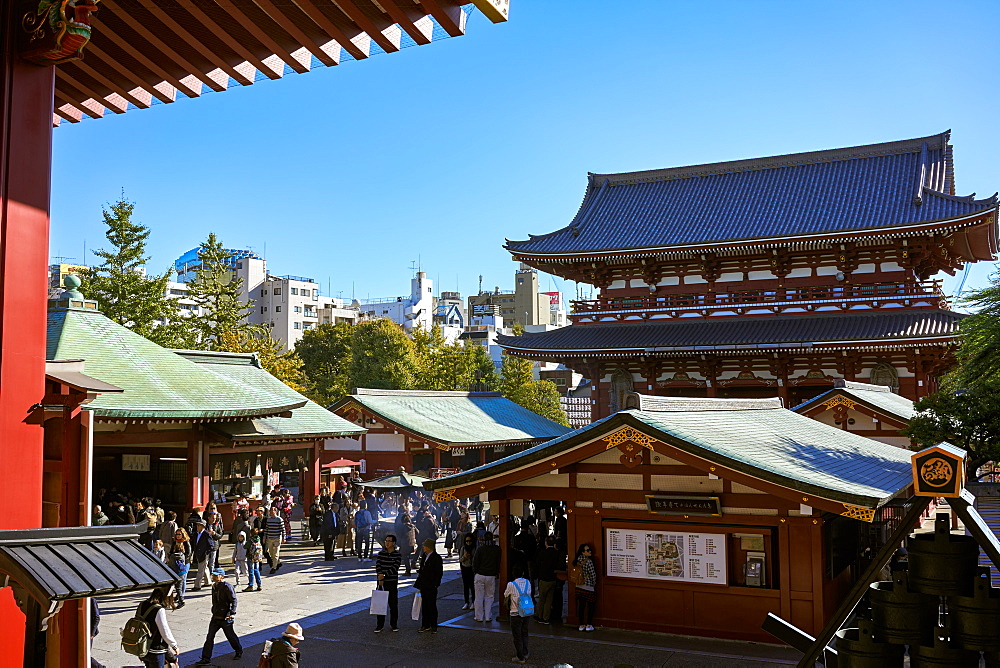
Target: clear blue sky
(441,151)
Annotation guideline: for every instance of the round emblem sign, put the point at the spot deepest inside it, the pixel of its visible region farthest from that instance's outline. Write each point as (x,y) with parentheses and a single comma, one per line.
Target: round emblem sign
(936,472)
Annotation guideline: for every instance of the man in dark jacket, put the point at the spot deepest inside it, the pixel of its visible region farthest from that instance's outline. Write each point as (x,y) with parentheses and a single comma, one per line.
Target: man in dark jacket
(330,531)
(204,547)
(428,581)
(223,615)
(316,511)
(550,560)
(486,565)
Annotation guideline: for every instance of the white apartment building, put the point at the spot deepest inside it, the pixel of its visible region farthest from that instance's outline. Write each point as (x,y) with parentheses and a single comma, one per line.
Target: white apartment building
(287,305)
(416,310)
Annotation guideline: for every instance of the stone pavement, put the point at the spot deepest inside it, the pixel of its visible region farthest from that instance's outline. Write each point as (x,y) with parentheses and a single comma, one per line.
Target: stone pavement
(330,600)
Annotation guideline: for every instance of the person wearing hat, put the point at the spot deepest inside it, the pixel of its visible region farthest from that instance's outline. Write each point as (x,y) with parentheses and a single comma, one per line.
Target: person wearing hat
(284,651)
(203,546)
(428,581)
(223,616)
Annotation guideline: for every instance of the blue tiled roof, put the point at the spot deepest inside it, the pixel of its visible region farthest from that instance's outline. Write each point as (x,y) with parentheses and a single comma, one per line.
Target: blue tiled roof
(704,333)
(859,188)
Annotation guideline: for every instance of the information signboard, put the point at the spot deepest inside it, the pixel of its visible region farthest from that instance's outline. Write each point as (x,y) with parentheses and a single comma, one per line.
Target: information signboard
(666,555)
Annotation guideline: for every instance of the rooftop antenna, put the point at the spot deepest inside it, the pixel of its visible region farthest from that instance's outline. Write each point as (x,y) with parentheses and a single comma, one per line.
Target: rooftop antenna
(480,284)
(413,266)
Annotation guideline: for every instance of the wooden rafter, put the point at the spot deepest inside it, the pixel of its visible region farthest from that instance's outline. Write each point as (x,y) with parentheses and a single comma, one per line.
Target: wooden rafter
(240,16)
(194,43)
(449,17)
(77,84)
(406,18)
(177,60)
(228,39)
(286,24)
(146,62)
(354,13)
(104,81)
(61,97)
(330,28)
(111,63)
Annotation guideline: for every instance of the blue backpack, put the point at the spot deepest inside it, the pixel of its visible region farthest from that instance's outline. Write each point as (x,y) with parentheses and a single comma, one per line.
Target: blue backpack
(525,604)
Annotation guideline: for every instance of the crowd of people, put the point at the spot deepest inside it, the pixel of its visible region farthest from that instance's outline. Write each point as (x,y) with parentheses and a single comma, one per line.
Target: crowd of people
(397,530)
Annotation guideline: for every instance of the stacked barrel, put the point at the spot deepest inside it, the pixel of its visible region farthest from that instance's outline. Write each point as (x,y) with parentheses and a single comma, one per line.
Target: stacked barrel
(943,609)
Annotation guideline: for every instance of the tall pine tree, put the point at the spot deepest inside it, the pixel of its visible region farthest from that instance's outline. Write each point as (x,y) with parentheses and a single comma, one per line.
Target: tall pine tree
(120,285)
(217,291)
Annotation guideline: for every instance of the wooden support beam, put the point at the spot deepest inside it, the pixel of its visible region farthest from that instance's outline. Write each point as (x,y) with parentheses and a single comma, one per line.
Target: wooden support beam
(330,28)
(367,25)
(64,99)
(104,81)
(407,20)
(127,47)
(239,15)
(279,17)
(109,62)
(178,60)
(228,39)
(450,18)
(860,587)
(195,43)
(75,83)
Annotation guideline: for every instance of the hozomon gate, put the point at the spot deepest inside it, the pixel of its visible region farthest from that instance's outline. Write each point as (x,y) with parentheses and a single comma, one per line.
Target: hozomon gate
(765,277)
(63,59)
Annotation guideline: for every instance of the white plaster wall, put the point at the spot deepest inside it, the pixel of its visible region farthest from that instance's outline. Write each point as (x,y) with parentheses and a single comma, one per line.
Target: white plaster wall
(730,276)
(608,481)
(761,275)
(342,443)
(548,480)
(385,442)
(826,271)
(669,280)
(800,272)
(685,483)
(692,279)
(866,268)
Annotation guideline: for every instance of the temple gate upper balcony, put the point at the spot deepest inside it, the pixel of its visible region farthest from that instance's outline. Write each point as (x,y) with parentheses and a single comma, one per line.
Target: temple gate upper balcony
(925,294)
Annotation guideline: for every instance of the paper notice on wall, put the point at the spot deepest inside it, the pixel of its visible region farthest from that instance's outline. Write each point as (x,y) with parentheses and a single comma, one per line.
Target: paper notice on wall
(681,557)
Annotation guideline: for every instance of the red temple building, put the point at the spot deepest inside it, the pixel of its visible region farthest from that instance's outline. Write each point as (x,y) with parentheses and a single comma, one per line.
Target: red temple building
(765,277)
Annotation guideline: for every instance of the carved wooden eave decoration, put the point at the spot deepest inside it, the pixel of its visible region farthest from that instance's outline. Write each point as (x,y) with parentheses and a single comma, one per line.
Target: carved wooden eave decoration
(54,32)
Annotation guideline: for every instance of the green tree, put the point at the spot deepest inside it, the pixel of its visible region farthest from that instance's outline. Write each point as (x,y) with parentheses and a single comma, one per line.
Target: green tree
(382,356)
(120,285)
(517,383)
(979,352)
(326,354)
(483,376)
(286,366)
(969,419)
(217,292)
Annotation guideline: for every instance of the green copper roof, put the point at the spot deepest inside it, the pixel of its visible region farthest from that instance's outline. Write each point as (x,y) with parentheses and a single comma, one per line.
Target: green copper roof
(456,418)
(311,421)
(754,436)
(878,397)
(157,383)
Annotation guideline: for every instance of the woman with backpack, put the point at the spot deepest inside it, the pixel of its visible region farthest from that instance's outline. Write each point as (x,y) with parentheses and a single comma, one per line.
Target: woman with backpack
(254,549)
(161,643)
(517,598)
(586,586)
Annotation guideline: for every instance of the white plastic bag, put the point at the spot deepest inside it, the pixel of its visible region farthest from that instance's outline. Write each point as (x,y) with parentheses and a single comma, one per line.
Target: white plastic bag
(380,602)
(417,604)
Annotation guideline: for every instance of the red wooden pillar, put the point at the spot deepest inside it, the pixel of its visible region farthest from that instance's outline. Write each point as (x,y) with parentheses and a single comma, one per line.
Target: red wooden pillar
(310,479)
(26,95)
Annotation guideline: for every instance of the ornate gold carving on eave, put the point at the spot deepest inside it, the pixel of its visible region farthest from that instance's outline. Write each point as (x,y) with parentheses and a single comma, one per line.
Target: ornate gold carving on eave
(629,435)
(441,495)
(839,401)
(858,513)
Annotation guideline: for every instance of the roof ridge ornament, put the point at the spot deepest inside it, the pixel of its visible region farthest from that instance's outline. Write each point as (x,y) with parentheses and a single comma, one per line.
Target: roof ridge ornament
(918,199)
(71,297)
